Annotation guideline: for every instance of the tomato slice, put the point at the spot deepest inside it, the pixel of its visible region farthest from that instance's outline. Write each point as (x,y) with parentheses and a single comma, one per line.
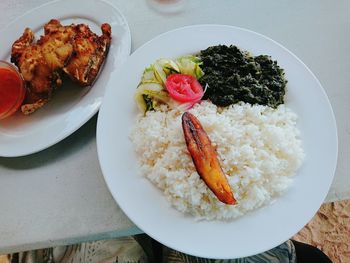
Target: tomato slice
(184,88)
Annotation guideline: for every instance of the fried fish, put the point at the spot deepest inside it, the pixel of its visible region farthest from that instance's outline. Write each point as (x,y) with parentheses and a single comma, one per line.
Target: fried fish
(72,50)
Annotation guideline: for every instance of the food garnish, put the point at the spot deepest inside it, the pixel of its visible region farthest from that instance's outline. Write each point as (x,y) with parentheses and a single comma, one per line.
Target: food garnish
(229,74)
(151,91)
(234,75)
(73,50)
(205,159)
(12,90)
(184,88)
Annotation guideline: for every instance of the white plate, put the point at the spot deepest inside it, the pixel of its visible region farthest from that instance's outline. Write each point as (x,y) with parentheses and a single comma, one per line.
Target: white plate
(71,106)
(255,232)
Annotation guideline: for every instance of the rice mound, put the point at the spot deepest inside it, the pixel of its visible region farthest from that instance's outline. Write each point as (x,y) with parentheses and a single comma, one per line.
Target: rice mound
(258,147)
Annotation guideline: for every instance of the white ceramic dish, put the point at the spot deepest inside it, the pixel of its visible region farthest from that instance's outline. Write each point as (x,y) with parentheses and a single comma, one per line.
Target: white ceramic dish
(255,232)
(71,106)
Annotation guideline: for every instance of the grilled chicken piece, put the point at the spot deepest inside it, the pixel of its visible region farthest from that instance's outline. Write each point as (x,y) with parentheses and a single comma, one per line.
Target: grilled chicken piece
(73,49)
(205,159)
(90,51)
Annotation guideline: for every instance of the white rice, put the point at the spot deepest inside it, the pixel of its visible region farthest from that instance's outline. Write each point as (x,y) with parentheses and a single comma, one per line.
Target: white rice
(258,147)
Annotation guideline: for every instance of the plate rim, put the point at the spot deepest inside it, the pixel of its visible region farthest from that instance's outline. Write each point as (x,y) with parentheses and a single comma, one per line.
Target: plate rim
(312,75)
(56,139)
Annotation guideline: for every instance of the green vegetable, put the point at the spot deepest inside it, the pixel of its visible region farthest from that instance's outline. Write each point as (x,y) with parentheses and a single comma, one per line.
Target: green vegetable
(190,65)
(148,94)
(168,65)
(151,91)
(233,75)
(148,75)
(149,102)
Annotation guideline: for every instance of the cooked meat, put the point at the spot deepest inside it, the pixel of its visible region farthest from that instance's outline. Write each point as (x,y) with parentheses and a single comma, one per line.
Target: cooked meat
(21,44)
(90,51)
(73,49)
(40,63)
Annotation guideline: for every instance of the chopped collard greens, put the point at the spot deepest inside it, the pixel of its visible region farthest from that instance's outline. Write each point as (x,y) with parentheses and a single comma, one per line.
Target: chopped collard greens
(233,75)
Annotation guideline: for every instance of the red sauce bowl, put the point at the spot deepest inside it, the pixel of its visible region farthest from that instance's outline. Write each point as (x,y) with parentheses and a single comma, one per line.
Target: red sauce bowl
(12,89)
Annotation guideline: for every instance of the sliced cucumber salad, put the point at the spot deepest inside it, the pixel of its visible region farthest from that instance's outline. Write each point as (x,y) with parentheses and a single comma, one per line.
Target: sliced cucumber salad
(151,91)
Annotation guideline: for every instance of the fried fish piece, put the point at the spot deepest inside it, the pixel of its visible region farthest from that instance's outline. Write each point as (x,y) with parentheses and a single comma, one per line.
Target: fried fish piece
(40,63)
(73,50)
(21,44)
(205,159)
(90,51)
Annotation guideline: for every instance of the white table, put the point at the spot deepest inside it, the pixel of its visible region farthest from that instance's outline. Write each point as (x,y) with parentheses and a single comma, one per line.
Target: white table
(58,196)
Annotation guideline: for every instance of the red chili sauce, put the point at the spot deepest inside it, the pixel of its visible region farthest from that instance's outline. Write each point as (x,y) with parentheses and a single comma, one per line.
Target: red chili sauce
(12,90)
